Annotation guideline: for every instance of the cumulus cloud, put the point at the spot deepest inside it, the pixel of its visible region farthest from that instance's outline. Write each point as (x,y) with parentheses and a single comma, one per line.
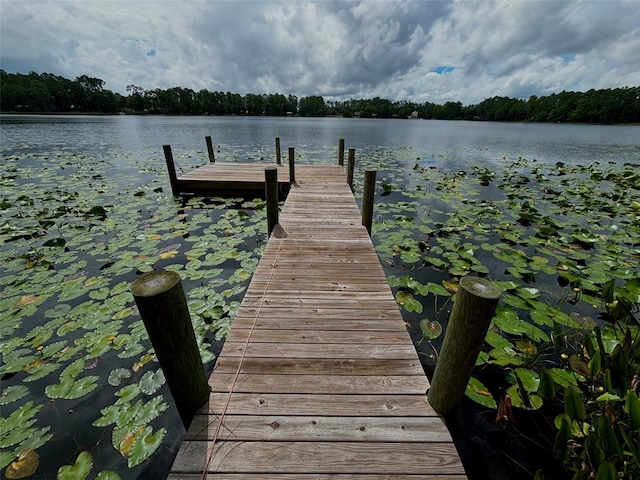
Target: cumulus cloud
(402,49)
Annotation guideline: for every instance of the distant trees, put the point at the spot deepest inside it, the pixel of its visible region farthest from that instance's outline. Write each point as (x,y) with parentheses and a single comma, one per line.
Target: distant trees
(312,107)
(619,105)
(46,92)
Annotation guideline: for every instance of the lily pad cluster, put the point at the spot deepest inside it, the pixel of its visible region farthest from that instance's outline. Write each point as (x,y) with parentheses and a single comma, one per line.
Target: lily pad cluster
(76,230)
(563,242)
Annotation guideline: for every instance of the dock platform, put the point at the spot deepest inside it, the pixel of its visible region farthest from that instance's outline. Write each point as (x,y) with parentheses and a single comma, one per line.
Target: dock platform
(230,179)
(318,377)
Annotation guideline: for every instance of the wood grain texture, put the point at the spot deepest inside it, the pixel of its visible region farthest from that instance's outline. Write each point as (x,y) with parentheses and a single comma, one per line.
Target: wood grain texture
(318,377)
(283,428)
(320,404)
(321,457)
(313,476)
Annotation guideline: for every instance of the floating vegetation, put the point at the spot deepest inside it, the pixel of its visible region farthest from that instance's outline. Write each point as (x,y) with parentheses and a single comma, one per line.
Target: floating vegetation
(75,232)
(563,242)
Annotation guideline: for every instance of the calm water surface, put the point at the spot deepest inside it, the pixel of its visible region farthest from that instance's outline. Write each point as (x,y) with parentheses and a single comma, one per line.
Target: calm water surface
(456,143)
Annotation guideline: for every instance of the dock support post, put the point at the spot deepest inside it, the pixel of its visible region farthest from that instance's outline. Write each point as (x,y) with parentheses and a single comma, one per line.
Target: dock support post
(292,166)
(367,198)
(171,167)
(212,155)
(341,152)
(472,312)
(278,159)
(163,308)
(271,194)
(351,166)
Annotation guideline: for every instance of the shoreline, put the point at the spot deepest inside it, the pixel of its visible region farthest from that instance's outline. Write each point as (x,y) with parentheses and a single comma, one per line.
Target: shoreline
(144,114)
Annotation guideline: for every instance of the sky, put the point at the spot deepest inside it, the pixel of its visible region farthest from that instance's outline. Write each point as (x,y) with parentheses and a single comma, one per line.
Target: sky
(413,50)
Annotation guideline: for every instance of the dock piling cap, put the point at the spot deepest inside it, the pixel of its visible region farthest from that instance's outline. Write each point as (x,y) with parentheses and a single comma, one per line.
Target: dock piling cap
(154,283)
(481,287)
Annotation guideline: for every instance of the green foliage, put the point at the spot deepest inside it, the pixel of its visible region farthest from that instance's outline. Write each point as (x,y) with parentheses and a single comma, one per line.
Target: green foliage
(562,247)
(69,251)
(79,470)
(606,404)
(18,432)
(51,93)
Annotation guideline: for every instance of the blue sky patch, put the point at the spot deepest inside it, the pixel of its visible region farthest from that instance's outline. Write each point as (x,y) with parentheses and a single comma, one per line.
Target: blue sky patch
(443,70)
(151,53)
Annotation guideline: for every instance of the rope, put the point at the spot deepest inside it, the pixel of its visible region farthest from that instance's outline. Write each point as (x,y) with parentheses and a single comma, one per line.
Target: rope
(211,447)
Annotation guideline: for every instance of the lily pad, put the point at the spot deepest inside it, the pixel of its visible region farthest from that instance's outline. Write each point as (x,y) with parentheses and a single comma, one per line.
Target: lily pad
(477,392)
(25,465)
(13,393)
(145,445)
(79,470)
(430,329)
(151,382)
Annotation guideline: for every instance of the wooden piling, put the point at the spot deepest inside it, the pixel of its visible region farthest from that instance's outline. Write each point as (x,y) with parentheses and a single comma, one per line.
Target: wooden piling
(292,167)
(271,194)
(472,312)
(173,178)
(212,155)
(351,166)
(367,198)
(163,308)
(278,159)
(341,152)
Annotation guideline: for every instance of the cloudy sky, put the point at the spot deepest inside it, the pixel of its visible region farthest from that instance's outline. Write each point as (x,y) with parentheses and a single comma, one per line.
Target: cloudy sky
(413,50)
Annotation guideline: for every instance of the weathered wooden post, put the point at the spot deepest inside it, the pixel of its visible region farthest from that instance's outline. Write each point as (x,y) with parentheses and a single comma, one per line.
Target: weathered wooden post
(292,166)
(351,166)
(341,152)
(271,194)
(212,155)
(171,167)
(163,308)
(472,312)
(367,198)
(278,160)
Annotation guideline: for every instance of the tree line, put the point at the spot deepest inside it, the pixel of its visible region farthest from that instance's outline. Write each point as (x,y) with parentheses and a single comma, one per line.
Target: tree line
(49,93)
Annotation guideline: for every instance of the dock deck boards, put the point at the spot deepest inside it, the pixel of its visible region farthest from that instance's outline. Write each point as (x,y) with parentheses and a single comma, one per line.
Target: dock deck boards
(229,178)
(318,378)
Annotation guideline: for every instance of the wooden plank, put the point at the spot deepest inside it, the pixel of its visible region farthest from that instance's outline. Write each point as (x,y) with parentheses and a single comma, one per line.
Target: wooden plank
(274,319)
(321,457)
(294,314)
(334,384)
(335,303)
(319,404)
(314,476)
(373,337)
(315,366)
(323,283)
(273,296)
(324,350)
(321,251)
(284,428)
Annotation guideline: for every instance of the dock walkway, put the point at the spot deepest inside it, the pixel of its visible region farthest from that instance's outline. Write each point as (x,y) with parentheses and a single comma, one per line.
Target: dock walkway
(318,377)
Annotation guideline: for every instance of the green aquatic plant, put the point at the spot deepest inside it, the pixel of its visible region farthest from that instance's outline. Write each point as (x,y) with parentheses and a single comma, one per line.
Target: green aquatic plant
(563,242)
(71,246)
(599,432)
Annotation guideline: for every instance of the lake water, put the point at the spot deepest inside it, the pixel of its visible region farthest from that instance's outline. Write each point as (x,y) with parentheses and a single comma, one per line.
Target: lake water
(456,142)
(122,156)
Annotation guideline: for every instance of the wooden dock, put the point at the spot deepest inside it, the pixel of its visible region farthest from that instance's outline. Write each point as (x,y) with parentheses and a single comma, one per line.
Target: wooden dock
(230,179)
(318,378)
